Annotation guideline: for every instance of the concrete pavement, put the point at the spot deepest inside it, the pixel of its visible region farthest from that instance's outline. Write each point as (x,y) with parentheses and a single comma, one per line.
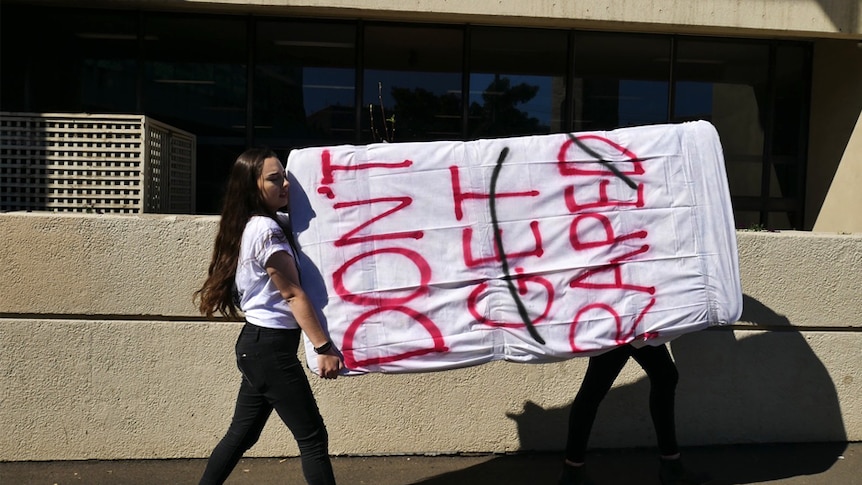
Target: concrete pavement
(786,464)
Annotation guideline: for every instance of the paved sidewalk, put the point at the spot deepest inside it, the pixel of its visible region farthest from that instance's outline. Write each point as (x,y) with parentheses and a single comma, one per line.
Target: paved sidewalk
(796,464)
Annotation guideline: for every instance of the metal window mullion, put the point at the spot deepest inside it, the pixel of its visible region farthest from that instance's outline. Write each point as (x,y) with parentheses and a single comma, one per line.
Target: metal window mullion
(768,124)
(465,80)
(251,48)
(803,134)
(569,115)
(359,66)
(671,85)
(140,63)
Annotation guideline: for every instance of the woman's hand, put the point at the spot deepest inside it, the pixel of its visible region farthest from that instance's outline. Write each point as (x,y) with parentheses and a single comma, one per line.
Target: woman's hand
(329,364)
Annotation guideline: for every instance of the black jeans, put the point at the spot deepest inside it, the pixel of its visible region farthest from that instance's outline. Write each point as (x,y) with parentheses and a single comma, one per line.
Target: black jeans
(273,378)
(602,370)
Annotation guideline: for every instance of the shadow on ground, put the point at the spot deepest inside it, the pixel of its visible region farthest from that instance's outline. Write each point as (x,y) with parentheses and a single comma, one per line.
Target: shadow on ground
(725,465)
(733,385)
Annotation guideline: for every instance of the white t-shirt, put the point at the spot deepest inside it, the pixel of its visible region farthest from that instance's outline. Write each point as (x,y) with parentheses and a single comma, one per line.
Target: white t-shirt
(260,300)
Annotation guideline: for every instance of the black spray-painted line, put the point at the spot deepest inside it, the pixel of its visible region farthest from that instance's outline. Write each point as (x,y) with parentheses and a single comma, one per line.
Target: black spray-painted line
(610,165)
(498,241)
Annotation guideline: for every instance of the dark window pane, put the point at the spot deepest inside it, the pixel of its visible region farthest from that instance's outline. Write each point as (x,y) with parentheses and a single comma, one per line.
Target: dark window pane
(693,101)
(620,80)
(784,180)
(195,74)
(195,79)
(726,83)
(109,51)
(747,219)
(784,220)
(304,83)
(517,82)
(791,89)
(15,56)
(69,60)
(789,128)
(415,74)
(216,159)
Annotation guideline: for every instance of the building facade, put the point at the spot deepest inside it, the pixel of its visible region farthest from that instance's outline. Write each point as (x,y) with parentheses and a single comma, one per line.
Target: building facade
(106,355)
(781,81)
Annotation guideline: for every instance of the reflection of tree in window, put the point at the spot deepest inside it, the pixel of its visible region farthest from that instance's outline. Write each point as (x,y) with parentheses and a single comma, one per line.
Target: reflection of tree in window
(418,113)
(499,116)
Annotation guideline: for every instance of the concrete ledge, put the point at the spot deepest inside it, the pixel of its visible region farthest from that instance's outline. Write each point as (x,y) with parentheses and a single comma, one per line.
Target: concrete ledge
(150,265)
(800,17)
(120,390)
(102,264)
(803,279)
(105,358)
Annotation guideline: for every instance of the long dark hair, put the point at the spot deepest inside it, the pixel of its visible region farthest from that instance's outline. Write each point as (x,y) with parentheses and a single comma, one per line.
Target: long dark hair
(242,201)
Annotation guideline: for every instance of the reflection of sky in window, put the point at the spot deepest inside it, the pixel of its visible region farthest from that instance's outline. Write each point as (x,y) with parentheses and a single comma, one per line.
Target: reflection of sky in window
(325,87)
(539,107)
(642,102)
(693,99)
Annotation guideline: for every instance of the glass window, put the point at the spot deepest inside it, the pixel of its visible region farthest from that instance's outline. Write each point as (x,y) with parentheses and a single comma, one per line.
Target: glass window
(216,159)
(726,84)
(69,60)
(517,82)
(412,83)
(304,84)
(789,129)
(195,73)
(195,79)
(620,80)
(192,72)
(15,56)
(747,219)
(781,219)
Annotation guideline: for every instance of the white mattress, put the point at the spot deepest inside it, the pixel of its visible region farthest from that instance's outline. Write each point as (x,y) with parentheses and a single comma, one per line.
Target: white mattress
(609,238)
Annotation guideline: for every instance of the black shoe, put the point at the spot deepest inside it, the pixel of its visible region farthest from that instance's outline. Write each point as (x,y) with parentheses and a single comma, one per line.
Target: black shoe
(672,472)
(574,475)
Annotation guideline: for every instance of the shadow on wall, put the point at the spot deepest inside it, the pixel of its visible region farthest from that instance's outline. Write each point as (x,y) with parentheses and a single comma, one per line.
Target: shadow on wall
(733,386)
(764,384)
(843,16)
(301,214)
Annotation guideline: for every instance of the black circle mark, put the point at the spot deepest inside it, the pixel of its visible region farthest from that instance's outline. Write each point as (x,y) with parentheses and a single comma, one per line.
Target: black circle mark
(498,241)
(583,146)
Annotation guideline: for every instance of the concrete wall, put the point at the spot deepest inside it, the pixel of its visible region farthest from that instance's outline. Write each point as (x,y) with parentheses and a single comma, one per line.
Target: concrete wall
(104,357)
(817,18)
(834,172)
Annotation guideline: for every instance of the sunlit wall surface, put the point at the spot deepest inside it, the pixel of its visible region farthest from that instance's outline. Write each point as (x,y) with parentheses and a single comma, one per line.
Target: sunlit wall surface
(239,80)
